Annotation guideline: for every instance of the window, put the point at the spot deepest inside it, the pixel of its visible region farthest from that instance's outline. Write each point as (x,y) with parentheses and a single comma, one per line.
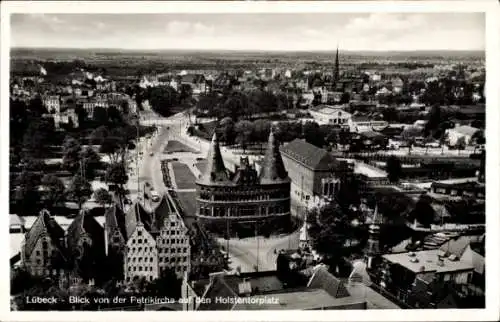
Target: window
(139,233)
(139,241)
(172,224)
(139,259)
(150,278)
(150,268)
(151,259)
(140,268)
(133,241)
(38,261)
(139,249)
(37,253)
(161,259)
(184,250)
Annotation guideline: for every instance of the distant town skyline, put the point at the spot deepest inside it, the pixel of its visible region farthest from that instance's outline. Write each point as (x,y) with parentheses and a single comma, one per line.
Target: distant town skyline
(241,31)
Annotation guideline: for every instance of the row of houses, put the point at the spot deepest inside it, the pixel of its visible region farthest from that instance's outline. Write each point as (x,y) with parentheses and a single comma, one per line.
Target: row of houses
(131,244)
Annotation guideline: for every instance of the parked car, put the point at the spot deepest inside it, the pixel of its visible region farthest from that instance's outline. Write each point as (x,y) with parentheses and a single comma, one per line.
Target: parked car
(151,154)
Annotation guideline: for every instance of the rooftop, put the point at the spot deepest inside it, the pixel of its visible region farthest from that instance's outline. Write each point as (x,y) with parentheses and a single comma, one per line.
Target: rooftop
(427,261)
(302,299)
(465,130)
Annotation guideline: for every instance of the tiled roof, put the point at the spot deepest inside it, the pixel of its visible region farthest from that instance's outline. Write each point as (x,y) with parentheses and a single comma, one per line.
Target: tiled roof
(218,288)
(137,214)
(115,219)
(322,279)
(84,224)
(44,223)
(273,169)
(161,212)
(309,155)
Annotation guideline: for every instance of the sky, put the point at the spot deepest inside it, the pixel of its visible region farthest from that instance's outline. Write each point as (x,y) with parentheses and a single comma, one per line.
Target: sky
(241,31)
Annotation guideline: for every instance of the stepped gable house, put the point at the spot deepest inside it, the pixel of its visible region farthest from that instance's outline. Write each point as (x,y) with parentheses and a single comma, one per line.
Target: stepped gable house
(244,195)
(154,241)
(312,170)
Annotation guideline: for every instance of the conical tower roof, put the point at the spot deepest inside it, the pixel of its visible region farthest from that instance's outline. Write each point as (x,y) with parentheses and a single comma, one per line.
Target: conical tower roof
(215,170)
(273,170)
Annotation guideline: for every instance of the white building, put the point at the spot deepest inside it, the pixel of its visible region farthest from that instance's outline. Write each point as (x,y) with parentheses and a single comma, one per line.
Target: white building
(52,103)
(458,132)
(333,115)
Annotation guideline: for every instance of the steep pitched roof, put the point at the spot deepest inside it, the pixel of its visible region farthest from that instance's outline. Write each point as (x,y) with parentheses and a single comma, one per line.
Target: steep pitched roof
(44,223)
(273,169)
(218,288)
(322,279)
(215,171)
(135,215)
(85,224)
(115,219)
(161,212)
(309,155)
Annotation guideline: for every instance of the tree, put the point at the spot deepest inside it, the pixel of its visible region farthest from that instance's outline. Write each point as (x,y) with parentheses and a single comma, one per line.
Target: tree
(162,99)
(261,131)
(313,134)
(54,190)
(117,175)
(166,285)
(114,116)
(345,98)
(434,120)
(38,135)
(227,132)
(26,193)
(409,135)
(102,197)
(423,211)
(393,168)
(100,115)
(329,228)
(79,190)
(125,107)
(91,162)
(460,144)
(243,131)
(71,154)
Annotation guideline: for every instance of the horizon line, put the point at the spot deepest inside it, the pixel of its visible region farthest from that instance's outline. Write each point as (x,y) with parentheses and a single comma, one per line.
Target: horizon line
(250,50)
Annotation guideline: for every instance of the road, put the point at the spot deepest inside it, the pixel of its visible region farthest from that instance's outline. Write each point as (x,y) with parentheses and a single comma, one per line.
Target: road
(242,252)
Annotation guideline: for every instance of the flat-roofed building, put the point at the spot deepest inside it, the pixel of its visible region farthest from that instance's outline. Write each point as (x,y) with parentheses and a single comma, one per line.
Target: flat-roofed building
(332,115)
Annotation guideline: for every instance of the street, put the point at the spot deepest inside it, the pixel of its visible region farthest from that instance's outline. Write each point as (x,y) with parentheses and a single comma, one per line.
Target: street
(243,253)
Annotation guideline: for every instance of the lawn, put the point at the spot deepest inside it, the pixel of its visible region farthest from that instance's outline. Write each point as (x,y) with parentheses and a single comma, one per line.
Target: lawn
(176,146)
(201,165)
(183,176)
(188,203)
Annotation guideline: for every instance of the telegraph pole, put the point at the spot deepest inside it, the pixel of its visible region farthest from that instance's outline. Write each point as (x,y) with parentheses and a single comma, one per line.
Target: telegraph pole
(257,236)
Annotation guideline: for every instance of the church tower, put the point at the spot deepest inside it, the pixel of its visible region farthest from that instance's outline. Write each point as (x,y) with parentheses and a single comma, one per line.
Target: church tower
(336,70)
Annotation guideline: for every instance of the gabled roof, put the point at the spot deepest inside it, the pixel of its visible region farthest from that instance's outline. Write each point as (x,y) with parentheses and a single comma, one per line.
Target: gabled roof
(322,279)
(217,288)
(115,219)
(85,224)
(135,215)
(162,212)
(309,155)
(273,169)
(45,223)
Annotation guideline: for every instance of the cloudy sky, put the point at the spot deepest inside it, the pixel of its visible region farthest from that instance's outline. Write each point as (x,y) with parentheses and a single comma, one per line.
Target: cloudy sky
(376,31)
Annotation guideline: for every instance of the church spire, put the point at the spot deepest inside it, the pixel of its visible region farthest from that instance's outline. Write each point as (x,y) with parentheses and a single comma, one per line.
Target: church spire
(336,69)
(215,170)
(273,168)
